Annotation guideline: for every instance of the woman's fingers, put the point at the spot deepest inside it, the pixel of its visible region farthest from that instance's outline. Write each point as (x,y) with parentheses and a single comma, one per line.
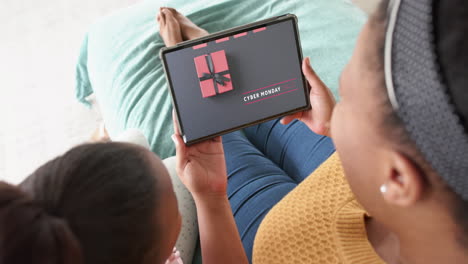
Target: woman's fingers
(317,87)
(321,99)
(288,119)
(181,153)
(179,144)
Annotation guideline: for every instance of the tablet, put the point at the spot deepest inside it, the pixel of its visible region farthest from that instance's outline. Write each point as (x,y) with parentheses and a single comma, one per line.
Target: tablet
(236,78)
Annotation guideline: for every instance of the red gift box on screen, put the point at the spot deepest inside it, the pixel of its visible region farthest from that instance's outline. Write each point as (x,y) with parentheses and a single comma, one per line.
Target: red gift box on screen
(213,73)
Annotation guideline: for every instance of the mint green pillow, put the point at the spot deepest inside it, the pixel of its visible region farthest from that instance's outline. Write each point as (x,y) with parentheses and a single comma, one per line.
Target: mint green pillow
(119,59)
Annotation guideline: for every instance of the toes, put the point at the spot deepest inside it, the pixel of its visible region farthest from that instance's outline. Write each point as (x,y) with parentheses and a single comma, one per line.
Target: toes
(173,10)
(162,19)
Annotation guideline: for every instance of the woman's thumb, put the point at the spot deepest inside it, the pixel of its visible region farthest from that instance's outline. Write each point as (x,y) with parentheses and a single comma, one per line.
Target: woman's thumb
(317,87)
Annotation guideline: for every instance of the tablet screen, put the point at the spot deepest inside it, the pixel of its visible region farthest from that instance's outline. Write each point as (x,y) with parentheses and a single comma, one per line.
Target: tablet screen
(236,80)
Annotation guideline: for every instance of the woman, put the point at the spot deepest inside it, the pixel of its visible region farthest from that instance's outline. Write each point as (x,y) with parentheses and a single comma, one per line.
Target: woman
(396,191)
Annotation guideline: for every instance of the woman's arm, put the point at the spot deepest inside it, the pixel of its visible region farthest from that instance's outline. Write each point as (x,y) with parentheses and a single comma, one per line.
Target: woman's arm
(202,168)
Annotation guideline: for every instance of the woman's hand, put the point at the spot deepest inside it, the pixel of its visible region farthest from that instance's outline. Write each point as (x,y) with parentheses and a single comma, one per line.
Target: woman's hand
(201,167)
(322,101)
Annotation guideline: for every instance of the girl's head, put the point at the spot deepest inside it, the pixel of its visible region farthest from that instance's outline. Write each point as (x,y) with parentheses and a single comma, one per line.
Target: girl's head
(98,203)
(387,160)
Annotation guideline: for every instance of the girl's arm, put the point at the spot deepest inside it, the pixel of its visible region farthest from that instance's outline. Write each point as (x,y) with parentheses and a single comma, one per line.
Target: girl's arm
(202,168)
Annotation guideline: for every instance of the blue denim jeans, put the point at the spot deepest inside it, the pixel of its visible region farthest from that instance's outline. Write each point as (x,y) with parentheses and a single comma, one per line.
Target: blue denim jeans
(265,165)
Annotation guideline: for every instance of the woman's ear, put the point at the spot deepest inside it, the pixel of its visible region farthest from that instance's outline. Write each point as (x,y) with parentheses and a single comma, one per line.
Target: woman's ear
(404,182)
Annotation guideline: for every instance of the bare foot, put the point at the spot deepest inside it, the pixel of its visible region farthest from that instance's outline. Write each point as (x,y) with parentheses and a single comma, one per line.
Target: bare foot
(169,28)
(188,28)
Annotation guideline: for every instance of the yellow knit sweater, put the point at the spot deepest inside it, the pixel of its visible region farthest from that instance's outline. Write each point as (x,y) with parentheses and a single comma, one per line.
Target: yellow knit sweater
(318,222)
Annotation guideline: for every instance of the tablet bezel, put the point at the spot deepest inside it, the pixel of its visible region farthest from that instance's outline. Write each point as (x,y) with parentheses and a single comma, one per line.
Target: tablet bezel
(228,33)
